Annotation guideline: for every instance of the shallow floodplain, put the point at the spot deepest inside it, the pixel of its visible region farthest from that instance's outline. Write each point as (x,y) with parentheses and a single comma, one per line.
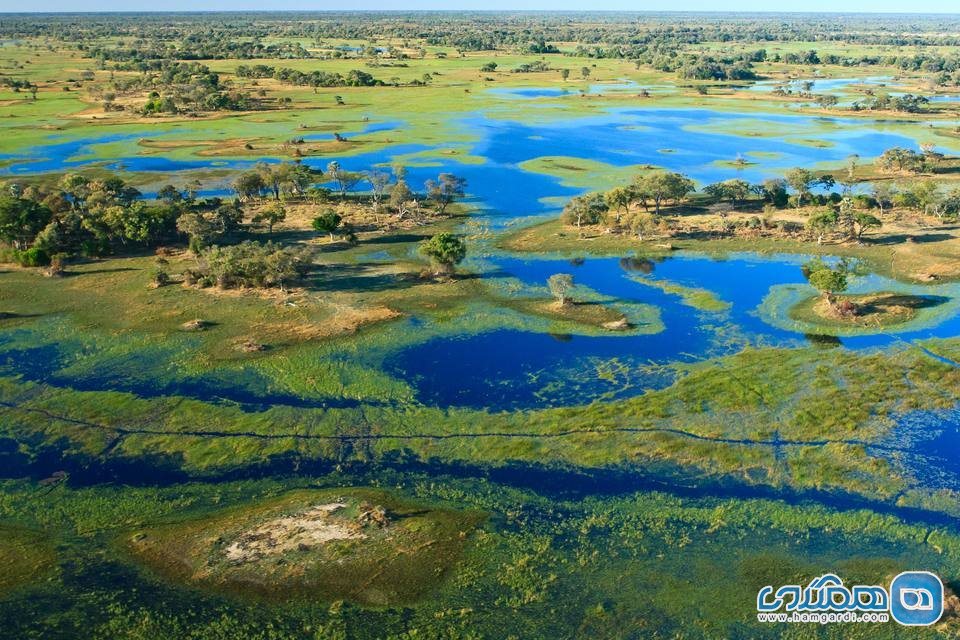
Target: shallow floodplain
(538,575)
(467,457)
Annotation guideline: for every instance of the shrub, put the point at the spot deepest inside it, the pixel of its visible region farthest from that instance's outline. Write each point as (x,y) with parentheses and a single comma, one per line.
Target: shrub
(33,257)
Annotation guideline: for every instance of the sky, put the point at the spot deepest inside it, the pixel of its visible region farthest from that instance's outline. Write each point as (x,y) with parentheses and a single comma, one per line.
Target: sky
(871,6)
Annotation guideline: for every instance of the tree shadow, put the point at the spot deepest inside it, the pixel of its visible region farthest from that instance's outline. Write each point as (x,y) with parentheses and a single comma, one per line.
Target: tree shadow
(822,341)
(901,238)
(880,305)
(9,315)
(398,238)
(358,277)
(75,274)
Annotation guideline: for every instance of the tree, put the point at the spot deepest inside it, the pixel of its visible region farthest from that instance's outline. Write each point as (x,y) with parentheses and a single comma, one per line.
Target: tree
(327,222)
(379,180)
(318,195)
(585,72)
(21,220)
(883,193)
(827,100)
(136,223)
(899,159)
(736,191)
(400,195)
(228,217)
(560,285)
(445,190)
(249,185)
(801,180)
(774,191)
(297,178)
(823,222)
(77,188)
(928,197)
(642,223)
(863,221)
(346,180)
(826,279)
(664,185)
(715,191)
(271,215)
(445,250)
(618,199)
(169,194)
(564,74)
(198,228)
(586,209)
(272,176)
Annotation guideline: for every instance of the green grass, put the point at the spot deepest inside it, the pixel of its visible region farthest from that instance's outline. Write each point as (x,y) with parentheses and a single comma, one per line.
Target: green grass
(522,561)
(379,565)
(582,173)
(800,308)
(702,299)
(26,557)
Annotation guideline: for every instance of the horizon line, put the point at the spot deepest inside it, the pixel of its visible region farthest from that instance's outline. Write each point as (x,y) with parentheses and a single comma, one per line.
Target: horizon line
(491,11)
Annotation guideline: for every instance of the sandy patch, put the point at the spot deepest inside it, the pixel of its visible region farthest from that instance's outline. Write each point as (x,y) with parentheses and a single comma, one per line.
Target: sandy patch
(343,320)
(301,531)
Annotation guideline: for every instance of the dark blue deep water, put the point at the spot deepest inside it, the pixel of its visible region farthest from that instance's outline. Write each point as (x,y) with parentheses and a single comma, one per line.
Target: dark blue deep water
(509,369)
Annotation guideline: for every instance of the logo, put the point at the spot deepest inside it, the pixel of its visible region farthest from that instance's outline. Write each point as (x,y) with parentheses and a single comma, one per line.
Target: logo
(916,598)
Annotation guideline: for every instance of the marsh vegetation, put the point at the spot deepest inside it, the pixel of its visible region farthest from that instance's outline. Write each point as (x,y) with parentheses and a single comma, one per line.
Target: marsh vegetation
(472,325)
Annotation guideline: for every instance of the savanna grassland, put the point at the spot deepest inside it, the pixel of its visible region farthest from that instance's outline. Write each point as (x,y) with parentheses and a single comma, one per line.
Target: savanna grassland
(469,325)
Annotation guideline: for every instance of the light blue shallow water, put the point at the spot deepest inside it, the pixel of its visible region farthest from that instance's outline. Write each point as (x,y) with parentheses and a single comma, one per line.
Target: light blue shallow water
(692,141)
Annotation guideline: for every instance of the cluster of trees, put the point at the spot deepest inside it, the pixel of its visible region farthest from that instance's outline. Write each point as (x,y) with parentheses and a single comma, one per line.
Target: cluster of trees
(198,36)
(532,67)
(900,160)
(250,264)
(19,84)
(315,79)
(95,217)
(203,45)
(907,103)
(286,179)
(705,67)
(844,216)
(176,87)
(515,28)
(80,216)
(924,196)
(294,179)
(654,188)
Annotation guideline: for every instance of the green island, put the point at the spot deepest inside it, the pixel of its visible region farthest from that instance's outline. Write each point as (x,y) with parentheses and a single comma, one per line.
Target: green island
(881,310)
(358,545)
(400,324)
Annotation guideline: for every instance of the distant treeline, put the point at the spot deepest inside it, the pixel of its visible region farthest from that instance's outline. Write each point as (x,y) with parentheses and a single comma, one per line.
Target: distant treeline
(210,35)
(354,78)
(199,46)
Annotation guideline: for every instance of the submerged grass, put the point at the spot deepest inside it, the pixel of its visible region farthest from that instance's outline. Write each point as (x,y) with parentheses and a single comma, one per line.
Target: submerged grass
(361,545)
(522,561)
(26,557)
